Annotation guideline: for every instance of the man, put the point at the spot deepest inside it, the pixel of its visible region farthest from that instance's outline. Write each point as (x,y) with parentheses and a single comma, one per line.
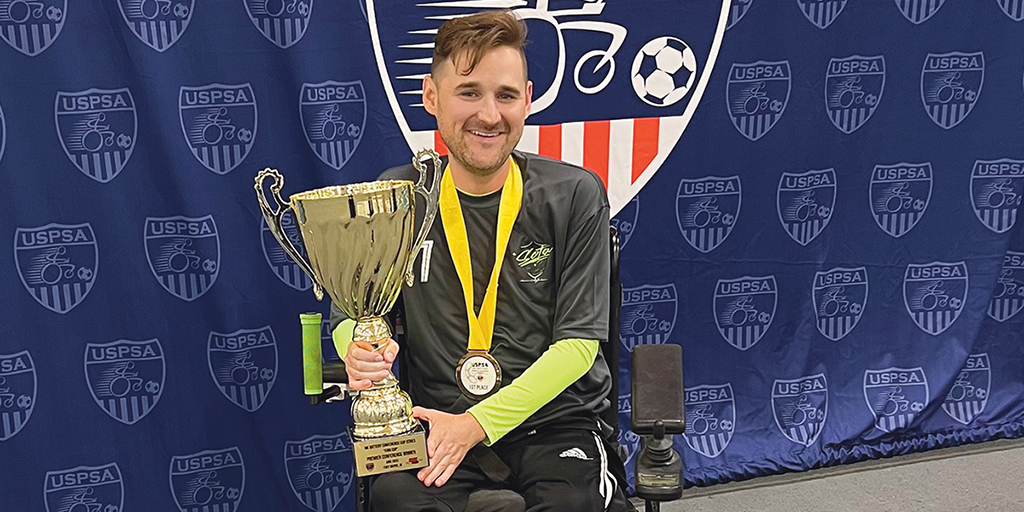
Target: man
(510,388)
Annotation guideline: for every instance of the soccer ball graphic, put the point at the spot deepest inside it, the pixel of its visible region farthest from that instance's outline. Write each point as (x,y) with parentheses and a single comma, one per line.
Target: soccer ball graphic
(663,71)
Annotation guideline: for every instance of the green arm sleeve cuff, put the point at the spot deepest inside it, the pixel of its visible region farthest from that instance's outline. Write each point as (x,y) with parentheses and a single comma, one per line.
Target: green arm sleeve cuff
(559,366)
(342,336)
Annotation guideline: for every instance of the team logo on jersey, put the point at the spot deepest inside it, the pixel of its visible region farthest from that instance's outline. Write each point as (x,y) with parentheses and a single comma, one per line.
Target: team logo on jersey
(333,116)
(744,309)
(573,116)
(853,88)
(918,11)
(895,396)
(805,203)
(17,392)
(757,95)
(934,294)
(707,209)
(625,221)
(208,481)
(648,315)
(57,263)
(283,22)
(736,11)
(950,86)
(710,419)
(85,488)
(629,440)
(319,470)
(532,258)
(283,266)
(126,378)
(1012,8)
(800,407)
(821,13)
(969,394)
(183,253)
(158,23)
(899,195)
(839,298)
(244,365)
(996,189)
(219,122)
(31,26)
(97,130)
(1008,296)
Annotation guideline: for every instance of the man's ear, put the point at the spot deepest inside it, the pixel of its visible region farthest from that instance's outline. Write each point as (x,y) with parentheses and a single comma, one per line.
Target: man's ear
(529,97)
(430,95)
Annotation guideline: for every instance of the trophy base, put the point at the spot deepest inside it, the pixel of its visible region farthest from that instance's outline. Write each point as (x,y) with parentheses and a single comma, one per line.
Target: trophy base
(376,455)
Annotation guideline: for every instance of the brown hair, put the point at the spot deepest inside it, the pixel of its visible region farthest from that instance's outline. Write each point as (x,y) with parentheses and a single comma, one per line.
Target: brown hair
(475,35)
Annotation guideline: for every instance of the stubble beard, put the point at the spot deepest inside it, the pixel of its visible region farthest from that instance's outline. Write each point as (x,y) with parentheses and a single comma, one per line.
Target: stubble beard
(459,151)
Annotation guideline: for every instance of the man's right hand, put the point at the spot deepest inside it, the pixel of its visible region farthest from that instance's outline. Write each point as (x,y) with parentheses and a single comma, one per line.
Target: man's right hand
(365,366)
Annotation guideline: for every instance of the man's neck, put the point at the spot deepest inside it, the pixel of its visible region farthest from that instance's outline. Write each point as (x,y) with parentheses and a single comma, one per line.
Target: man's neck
(477,185)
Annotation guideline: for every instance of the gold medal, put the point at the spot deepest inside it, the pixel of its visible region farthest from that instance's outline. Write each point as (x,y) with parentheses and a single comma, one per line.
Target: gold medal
(478,374)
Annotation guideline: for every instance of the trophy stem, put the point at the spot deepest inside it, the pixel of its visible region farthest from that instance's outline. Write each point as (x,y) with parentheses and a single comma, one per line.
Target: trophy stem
(384,409)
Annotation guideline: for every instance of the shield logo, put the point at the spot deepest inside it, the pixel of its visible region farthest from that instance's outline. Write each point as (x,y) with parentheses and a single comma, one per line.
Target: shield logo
(333,115)
(89,488)
(839,298)
(805,203)
(31,27)
(1008,296)
(648,315)
(57,263)
(625,221)
(934,294)
(853,88)
(757,95)
(950,86)
(319,470)
(707,209)
(126,378)
(283,22)
(820,13)
(800,407)
(184,254)
(1012,8)
(996,189)
(969,394)
(219,122)
(736,11)
(97,130)
(899,196)
(159,24)
(17,392)
(243,365)
(744,309)
(283,266)
(710,419)
(573,118)
(895,396)
(918,11)
(211,480)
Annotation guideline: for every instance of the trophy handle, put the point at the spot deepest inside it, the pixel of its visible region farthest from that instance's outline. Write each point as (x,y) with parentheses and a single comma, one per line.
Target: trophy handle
(274,215)
(430,195)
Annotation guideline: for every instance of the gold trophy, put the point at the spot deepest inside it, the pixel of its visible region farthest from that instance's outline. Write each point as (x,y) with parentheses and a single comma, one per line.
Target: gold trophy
(360,243)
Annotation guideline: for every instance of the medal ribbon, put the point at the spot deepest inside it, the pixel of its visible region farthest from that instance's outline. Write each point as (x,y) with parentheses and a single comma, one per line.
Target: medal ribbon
(481,329)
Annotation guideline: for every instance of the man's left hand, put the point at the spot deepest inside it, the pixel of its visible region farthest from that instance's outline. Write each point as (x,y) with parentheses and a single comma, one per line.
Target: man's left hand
(451,436)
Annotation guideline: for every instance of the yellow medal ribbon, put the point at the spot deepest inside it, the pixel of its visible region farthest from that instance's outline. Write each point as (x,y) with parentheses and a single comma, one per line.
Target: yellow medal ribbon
(481,329)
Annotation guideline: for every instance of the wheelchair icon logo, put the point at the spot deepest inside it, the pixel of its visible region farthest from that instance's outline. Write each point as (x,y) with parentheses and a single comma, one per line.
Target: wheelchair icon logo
(334,127)
(996,200)
(214,485)
(125,378)
(158,23)
(648,315)
(934,304)
(59,274)
(17,392)
(838,308)
(219,122)
(322,479)
(105,496)
(821,14)
(31,26)
(898,204)
(805,203)
(756,104)
(244,371)
(183,254)
(968,395)
(706,218)
(895,396)
(949,96)
(800,413)
(710,422)
(742,316)
(282,22)
(99,141)
(1008,296)
(852,97)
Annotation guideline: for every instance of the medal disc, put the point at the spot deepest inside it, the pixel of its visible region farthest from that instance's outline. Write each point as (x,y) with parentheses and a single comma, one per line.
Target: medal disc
(478,374)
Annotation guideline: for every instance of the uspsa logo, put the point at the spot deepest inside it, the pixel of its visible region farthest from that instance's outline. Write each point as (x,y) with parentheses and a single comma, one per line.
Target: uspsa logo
(17,392)
(31,26)
(219,122)
(159,24)
(1012,8)
(853,88)
(744,309)
(736,11)
(183,253)
(648,315)
(757,95)
(996,190)
(208,481)
(625,221)
(57,263)
(319,470)
(800,407)
(97,130)
(243,365)
(821,13)
(805,203)
(950,86)
(899,196)
(1008,297)
(126,378)
(333,116)
(85,488)
(283,266)
(934,294)
(918,11)
(839,298)
(895,396)
(710,419)
(969,394)
(707,209)
(283,22)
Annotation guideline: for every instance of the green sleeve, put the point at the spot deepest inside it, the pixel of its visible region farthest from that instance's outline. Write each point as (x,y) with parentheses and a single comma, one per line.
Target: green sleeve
(559,366)
(342,336)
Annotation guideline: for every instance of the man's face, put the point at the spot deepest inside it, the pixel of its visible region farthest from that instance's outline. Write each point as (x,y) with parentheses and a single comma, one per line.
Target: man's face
(480,115)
